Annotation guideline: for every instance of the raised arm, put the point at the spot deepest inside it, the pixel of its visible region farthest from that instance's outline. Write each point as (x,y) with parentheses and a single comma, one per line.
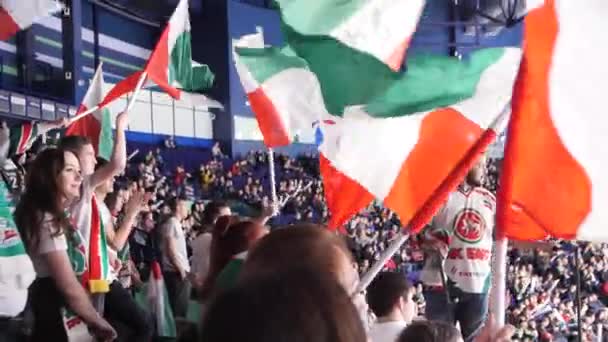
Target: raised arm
(118,161)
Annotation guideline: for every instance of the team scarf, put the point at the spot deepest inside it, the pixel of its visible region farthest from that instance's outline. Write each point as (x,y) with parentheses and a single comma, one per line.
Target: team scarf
(97,275)
(76,329)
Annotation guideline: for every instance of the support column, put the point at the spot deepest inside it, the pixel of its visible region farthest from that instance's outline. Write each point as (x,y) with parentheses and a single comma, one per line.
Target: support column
(71,25)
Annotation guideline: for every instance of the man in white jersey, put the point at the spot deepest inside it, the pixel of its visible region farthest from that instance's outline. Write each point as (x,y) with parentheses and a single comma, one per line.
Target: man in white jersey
(460,237)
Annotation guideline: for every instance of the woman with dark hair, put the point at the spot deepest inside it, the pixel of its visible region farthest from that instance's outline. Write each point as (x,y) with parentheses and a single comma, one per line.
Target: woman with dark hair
(299,305)
(55,246)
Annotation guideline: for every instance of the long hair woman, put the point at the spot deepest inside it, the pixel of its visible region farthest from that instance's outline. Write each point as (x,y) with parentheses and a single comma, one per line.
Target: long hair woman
(52,184)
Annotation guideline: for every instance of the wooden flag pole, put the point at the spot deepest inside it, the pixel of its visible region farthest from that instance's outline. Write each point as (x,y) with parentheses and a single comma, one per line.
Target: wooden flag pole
(140,84)
(499,281)
(384,258)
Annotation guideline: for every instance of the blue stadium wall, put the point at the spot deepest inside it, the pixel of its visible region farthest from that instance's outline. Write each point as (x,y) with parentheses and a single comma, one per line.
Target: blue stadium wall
(124,46)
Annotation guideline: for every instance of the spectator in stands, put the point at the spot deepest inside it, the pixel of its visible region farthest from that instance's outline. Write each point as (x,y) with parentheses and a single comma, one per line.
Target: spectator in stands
(307,246)
(120,308)
(201,245)
(230,245)
(175,257)
(55,246)
(430,331)
(293,305)
(390,296)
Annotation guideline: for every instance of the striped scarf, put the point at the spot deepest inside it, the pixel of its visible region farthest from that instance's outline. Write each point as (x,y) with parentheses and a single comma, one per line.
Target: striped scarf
(97,275)
(75,327)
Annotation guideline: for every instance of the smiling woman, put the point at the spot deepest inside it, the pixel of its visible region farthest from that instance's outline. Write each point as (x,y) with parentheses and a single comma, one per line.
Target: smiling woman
(56,249)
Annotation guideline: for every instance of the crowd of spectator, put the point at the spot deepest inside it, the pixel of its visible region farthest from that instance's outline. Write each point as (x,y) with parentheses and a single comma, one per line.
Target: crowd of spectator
(541,282)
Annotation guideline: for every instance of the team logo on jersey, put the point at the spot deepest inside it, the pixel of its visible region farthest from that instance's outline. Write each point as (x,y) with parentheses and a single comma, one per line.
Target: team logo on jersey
(469,226)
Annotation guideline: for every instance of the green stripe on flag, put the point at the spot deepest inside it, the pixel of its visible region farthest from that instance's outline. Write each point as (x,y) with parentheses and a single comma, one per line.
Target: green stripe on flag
(189,78)
(267,62)
(319,16)
(349,77)
(106,136)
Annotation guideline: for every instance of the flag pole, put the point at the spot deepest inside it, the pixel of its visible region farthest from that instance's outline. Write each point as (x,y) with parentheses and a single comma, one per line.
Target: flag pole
(578,293)
(273,186)
(384,258)
(140,84)
(499,281)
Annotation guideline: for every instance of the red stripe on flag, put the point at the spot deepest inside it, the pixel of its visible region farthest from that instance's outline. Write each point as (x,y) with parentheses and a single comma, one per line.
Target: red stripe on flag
(8,26)
(270,123)
(535,202)
(26,135)
(121,88)
(158,65)
(446,136)
(94,251)
(344,196)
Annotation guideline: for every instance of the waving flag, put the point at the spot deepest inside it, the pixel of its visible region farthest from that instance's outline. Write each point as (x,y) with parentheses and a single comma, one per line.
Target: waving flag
(16,15)
(159,302)
(97,126)
(554,174)
(170,65)
(283,91)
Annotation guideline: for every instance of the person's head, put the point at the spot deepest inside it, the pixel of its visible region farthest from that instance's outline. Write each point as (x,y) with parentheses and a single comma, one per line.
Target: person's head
(477,174)
(230,237)
(105,187)
(215,209)
(53,181)
(83,149)
(148,222)
(296,306)
(179,207)
(391,295)
(430,331)
(306,246)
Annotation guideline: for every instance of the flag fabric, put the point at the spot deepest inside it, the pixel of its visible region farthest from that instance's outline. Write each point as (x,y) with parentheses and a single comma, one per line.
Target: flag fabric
(553,181)
(412,162)
(16,15)
(382,28)
(159,302)
(22,137)
(98,271)
(282,87)
(170,65)
(97,126)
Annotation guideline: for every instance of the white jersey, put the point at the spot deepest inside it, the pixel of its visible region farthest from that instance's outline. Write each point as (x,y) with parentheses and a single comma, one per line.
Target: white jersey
(468,220)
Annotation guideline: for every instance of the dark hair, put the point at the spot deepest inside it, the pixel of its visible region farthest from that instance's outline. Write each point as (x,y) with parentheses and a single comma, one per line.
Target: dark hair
(385,291)
(295,306)
(74,143)
(111,200)
(230,237)
(212,211)
(301,245)
(101,163)
(41,197)
(429,331)
(174,201)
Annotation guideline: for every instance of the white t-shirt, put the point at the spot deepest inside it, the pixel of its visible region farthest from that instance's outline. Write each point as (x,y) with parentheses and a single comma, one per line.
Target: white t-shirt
(173,228)
(47,244)
(386,331)
(201,253)
(468,217)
